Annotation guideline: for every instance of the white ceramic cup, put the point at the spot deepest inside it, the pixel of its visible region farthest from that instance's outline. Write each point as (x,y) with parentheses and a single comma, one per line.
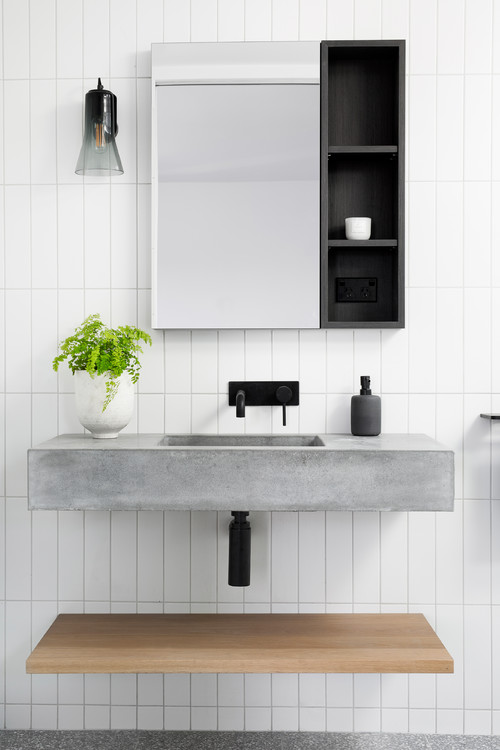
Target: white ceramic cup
(358,228)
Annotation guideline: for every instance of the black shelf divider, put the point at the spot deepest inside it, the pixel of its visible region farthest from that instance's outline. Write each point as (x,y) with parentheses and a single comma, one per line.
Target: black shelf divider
(362,149)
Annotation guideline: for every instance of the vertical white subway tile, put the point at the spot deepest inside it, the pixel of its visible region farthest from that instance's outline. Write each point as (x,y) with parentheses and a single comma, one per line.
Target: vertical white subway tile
(422,125)
(423,37)
(449,627)
(477,657)
(177,547)
(449,341)
(367,719)
(150,689)
(450,131)
(203,556)
(495,121)
(203,20)
(204,362)
(449,425)
(476,449)
(477,234)
(70,555)
(98,301)
(44,236)
(97,555)
(70,235)
(18,429)
(422,557)
(42,38)
(312,414)
(285,355)
(477,356)
(44,555)
(123,16)
(44,417)
(42,144)
(18,341)
(231,358)
(149,29)
(285,20)
(340,20)
(43,686)
(422,413)
(394,690)
(312,557)
(312,21)
(495,231)
(422,340)
(495,552)
(394,720)
(338,416)
(366,690)
(394,366)
(284,557)
(17,549)
(17,645)
(152,357)
(71,313)
(258,20)
(150,556)
(451,25)
(16,31)
(123,307)
(477,575)
(123,558)
(129,113)
(17,236)
(259,590)
(70,103)
(97,236)
(17,716)
(477,128)
(144,140)
(394,557)
(258,355)
(123,236)
(204,413)
(177,20)
(395,413)
(367,358)
(495,631)
(178,413)
(366,557)
(422,233)
(422,691)
(230,20)
(339,361)
(151,412)
(478,18)
(144,236)
(367,19)
(44,339)
(70,38)
(96,39)
(449,234)
(312,361)
(339,557)
(395,19)
(178,361)
(339,719)
(449,556)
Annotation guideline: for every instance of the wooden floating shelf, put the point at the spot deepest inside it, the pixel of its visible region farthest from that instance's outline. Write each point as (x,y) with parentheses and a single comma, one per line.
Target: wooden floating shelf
(317,643)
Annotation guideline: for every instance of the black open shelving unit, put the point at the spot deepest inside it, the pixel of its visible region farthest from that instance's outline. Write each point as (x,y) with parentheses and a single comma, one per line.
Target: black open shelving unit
(362,174)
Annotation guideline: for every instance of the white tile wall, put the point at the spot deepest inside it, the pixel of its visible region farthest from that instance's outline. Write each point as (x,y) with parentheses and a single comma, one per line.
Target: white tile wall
(74,246)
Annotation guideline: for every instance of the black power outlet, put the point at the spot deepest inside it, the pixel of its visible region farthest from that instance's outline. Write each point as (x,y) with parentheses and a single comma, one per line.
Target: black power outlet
(356,290)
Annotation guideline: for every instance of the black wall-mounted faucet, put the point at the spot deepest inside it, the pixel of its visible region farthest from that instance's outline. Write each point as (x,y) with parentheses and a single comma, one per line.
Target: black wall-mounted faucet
(263,393)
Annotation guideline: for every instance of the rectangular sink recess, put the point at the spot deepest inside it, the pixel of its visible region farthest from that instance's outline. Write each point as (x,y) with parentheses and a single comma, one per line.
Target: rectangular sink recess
(241,472)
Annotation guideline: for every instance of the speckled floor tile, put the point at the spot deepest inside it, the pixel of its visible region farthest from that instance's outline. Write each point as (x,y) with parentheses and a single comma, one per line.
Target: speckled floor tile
(141,740)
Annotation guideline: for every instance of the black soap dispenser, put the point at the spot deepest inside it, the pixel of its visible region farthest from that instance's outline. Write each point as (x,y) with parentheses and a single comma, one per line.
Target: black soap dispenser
(365,410)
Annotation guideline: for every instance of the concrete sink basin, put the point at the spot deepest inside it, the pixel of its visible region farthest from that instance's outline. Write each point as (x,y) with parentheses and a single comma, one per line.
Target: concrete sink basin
(241,472)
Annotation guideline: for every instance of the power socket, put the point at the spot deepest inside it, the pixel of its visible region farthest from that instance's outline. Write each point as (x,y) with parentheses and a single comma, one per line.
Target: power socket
(356,290)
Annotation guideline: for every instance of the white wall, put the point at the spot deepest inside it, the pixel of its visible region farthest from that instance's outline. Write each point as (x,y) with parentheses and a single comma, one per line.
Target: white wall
(73,247)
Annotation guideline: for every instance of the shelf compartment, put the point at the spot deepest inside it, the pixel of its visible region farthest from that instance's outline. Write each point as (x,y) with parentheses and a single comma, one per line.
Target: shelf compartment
(239,643)
(362,185)
(358,262)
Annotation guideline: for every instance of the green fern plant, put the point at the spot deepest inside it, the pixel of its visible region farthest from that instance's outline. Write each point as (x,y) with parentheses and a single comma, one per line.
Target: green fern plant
(101,350)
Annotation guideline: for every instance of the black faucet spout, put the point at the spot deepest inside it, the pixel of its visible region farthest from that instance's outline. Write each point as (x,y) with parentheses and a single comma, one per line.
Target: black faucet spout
(240,403)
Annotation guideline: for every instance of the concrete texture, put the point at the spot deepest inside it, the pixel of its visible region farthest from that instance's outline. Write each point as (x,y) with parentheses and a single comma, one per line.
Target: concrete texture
(141,740)
(388,472)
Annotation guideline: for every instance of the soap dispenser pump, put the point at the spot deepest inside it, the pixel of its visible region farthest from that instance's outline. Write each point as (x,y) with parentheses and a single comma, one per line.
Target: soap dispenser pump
(365,411)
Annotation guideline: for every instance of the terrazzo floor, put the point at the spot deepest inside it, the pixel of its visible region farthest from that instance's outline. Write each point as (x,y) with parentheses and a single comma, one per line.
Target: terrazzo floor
(139,740)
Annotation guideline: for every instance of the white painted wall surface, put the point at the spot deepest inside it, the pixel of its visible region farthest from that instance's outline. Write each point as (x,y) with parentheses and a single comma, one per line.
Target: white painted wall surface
(74,246)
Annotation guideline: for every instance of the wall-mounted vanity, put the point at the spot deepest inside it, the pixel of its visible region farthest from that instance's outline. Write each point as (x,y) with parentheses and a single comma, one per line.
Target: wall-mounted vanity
(259,152)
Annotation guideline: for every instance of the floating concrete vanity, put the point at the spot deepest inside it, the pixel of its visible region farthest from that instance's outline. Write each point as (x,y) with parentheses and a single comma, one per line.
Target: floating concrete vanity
(317,472)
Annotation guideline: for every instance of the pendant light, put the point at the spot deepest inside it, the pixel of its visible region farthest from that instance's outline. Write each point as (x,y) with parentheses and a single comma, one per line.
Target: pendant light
(99,155)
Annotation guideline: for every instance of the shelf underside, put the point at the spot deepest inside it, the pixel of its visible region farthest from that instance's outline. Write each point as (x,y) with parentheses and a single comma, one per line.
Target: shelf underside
(244,643)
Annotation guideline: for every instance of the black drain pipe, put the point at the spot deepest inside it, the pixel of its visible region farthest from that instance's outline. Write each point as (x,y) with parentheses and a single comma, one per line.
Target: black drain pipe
(239,549)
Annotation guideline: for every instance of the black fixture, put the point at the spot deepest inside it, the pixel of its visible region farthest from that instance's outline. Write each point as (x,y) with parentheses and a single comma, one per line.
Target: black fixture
(263,393)
(239,549)
(99,155)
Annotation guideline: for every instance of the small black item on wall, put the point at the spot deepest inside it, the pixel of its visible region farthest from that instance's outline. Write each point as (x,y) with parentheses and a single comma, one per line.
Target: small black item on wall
(99,154)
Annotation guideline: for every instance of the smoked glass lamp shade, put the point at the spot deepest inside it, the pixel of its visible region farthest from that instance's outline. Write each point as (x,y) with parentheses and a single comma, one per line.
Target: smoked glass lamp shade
(99,155)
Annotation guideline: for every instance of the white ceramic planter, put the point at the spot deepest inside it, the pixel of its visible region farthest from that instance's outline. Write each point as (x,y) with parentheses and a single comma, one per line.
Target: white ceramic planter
(90,395)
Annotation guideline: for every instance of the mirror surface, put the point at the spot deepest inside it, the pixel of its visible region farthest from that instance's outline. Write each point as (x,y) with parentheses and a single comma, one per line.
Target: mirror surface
(238,205)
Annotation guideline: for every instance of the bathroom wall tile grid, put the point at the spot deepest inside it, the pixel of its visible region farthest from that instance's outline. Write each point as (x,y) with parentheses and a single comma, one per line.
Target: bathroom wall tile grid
(73,247)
